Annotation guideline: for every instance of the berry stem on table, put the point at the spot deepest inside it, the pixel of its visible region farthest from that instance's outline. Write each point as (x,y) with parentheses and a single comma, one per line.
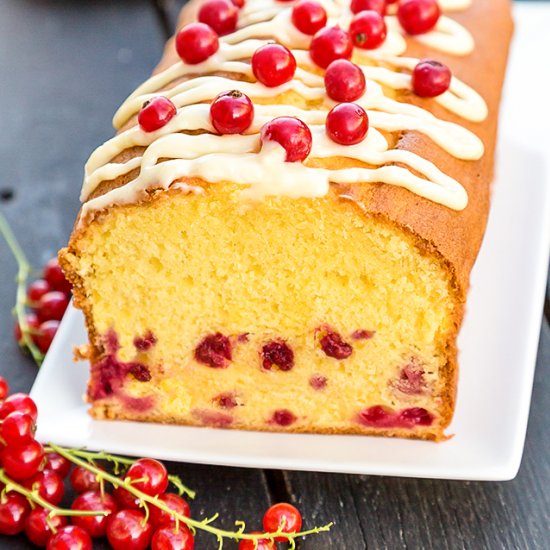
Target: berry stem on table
(35,498)
(23,272)
(204,525)
(117,461)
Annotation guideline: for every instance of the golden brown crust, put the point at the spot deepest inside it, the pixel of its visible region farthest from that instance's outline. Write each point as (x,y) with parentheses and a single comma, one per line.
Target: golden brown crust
(113,411)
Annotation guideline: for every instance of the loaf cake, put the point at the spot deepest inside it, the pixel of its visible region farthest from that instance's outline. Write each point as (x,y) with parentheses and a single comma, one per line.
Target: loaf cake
(280,235)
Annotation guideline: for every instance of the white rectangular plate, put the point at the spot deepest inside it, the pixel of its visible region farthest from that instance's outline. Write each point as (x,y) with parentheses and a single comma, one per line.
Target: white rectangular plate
(498,341)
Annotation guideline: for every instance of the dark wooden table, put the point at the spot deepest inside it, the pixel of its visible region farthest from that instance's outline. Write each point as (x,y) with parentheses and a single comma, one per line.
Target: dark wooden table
(64,68)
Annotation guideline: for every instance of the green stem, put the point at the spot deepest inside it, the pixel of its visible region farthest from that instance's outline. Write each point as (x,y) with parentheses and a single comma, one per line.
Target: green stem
(182,489)
(33,496)
(117,460)
(24,269)
(193,524)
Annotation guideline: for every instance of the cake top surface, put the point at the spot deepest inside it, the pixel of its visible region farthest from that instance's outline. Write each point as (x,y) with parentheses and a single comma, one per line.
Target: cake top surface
(263,110)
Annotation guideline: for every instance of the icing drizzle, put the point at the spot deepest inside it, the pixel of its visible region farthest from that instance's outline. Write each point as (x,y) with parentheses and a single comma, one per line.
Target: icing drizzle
(261,170)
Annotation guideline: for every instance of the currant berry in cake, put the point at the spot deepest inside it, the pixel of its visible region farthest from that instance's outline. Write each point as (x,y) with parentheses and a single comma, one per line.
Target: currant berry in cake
(281,233)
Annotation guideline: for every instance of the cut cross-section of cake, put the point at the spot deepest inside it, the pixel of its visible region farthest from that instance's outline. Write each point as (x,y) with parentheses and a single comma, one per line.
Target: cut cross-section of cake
(252,254)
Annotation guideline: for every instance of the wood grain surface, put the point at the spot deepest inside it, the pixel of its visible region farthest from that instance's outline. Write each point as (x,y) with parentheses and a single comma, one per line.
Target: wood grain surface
(64,68)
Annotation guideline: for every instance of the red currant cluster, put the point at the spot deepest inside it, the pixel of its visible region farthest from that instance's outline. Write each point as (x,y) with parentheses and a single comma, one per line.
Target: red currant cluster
(279,517)
(48,299)
(40,476)
(331,48)
(135,514)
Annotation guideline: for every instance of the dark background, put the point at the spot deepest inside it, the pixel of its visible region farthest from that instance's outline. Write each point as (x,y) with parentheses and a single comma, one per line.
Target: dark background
(65,66)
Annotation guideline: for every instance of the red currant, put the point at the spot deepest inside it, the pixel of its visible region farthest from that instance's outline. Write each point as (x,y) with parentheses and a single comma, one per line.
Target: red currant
(70,537)
(221,15)
(156,113)
(4,388)
(344,81)
(127,530)
(126,500)
(273,65)
(19,402)
(172,538)
(83,480)
(378,416)
(328,44)
(368,30)
(196,42)
(48,484)
(55,277)
(14,509)
(58,464)
(45,334)
(149,476)
(52,306)
(238,3)
(283,417)
(335,346)
(22,461)
(214,350)
(347,124)
(430,78)
(93,501)
(232,112)
(40,526)
(16,428)
(293,134)
(309,16)
(32,322)
(160,518)
(37,289)
(378,6)
(263,544)
(282,516)
(418,16)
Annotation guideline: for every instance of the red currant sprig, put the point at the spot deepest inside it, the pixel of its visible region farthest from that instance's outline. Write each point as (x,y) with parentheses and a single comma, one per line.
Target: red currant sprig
(95,526)
(48,484)
(166,538)
(283,517)
(48,297)
(54,276)
(70,537)
(14,509)
(260,544)
(129,529)
(18,427)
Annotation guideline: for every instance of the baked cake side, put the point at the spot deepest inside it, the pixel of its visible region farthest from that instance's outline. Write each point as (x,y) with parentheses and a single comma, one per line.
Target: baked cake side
(223,286)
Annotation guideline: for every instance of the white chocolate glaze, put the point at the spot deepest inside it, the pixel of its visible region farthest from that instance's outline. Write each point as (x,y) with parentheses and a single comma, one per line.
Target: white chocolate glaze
(261,169)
